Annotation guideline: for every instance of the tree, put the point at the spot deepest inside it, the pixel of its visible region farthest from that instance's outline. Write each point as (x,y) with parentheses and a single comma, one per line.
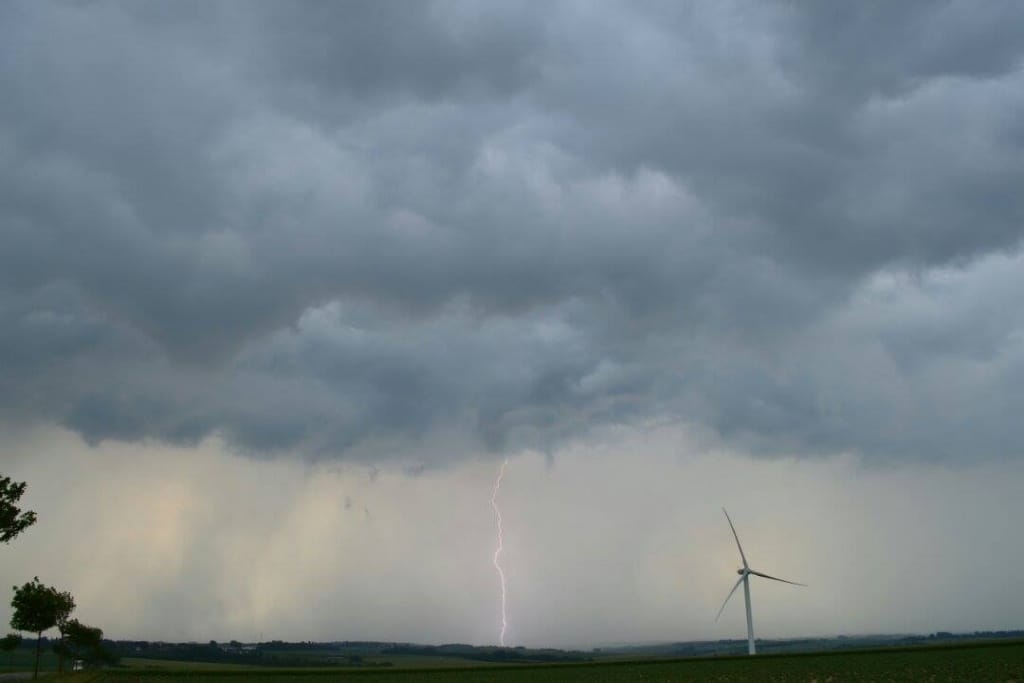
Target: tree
(12,520)
(9,644)
(85,643)
(60,648)
(38,608)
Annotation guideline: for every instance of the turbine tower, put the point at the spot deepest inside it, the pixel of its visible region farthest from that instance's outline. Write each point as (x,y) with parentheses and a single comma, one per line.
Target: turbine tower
(745,571)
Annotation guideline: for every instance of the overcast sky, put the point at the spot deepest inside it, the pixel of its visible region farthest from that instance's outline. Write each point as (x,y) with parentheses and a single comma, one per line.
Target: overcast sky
(281,284)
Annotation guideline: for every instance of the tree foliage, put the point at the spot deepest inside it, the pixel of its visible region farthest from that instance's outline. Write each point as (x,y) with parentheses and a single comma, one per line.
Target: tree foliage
(12,520)
(38,608)
(85,643)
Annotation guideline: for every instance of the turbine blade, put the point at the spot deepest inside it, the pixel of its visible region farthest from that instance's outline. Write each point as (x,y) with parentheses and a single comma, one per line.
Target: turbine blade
(775,578)
(742,556)
(722,608)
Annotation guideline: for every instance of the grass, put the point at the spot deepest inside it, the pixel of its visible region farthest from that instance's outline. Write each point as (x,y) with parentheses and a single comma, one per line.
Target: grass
(1002,661)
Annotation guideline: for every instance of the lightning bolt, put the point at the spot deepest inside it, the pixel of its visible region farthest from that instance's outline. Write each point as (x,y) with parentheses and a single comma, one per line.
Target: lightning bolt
(497,551)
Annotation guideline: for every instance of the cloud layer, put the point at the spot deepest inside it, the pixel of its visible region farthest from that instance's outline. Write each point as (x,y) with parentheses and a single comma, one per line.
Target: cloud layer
(369,230)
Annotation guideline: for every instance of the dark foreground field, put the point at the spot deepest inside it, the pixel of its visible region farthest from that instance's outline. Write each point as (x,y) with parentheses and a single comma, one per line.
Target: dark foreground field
(1001,662)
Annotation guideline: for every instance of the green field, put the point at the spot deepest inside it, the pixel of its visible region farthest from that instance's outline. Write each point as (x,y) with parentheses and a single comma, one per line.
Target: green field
(1003,662)
(23,659)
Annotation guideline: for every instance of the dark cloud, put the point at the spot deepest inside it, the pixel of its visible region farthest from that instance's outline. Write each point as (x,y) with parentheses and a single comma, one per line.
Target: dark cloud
(426,50)
(351,229)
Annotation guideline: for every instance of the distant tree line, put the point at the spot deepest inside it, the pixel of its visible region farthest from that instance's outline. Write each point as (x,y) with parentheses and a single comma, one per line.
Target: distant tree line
(272,654)
(488,654)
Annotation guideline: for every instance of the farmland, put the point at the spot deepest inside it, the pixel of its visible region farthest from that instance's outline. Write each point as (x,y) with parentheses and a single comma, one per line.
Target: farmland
(1002,661)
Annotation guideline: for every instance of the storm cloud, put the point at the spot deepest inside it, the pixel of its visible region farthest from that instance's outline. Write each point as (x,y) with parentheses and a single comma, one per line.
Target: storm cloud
(411,230)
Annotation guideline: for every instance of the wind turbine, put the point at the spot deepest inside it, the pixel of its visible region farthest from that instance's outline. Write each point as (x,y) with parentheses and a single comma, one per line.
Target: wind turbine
(745,571)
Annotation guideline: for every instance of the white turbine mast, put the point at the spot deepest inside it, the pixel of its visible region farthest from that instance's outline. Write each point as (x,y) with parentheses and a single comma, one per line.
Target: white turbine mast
(745,571)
